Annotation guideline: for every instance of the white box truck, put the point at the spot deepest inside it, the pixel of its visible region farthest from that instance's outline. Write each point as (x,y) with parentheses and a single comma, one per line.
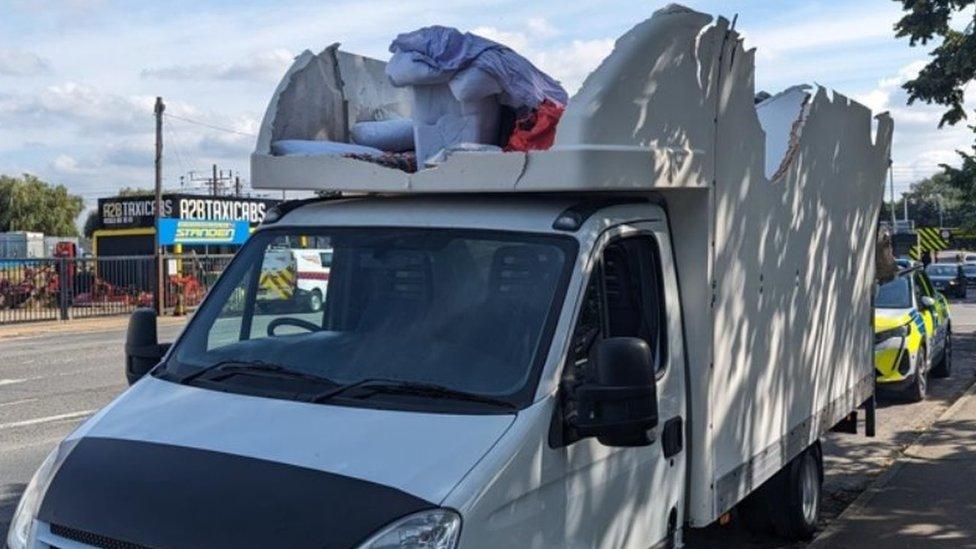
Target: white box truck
(598,345)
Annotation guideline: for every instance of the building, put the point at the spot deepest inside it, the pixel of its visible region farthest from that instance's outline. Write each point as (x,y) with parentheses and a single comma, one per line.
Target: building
(189,222)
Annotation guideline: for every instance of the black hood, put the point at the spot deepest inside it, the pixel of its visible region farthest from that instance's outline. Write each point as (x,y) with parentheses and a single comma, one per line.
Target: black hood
(123,493)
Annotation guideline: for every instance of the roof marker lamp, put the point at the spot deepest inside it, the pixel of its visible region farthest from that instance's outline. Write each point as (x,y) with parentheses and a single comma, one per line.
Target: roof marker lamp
(430,529)
(901,331)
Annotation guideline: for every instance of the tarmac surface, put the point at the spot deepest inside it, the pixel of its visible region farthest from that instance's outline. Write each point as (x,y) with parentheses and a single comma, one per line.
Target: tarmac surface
(53,376)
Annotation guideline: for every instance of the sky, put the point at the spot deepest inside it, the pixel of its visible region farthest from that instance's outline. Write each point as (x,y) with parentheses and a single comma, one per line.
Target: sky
(78,78)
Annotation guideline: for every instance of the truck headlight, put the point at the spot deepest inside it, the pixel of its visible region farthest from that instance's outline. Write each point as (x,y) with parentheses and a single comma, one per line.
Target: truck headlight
(431,529)
(901,331)
(30,501)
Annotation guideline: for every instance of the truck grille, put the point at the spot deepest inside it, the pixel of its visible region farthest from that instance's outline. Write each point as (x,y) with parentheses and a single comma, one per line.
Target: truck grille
(89,538)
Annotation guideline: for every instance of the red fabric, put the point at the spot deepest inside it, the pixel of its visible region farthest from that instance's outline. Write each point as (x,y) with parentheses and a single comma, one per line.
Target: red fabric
(537,130)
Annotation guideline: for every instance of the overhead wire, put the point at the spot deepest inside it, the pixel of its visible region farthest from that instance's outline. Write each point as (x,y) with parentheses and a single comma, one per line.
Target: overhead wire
(207,125)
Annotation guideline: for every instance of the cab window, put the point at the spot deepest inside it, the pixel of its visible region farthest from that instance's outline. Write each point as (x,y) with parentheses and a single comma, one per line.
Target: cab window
(624,298)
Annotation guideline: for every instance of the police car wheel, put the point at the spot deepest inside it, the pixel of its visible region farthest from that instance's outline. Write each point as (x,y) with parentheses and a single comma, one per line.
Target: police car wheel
(920,385)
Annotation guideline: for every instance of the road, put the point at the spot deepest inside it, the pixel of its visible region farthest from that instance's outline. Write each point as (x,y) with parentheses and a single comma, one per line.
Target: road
(50,382)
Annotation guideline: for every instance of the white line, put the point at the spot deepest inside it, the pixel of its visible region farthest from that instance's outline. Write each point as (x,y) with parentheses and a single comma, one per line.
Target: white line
(48,419)
(10,381)
(15,402)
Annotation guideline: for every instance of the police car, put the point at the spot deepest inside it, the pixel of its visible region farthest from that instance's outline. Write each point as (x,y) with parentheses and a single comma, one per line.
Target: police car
(911,333)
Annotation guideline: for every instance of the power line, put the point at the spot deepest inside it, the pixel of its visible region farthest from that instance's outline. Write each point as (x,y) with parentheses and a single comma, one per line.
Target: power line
(206,125)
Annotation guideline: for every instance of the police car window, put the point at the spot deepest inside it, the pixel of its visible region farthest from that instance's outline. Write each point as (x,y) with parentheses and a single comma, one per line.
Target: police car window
(623,299)
(923,284)
(895,294)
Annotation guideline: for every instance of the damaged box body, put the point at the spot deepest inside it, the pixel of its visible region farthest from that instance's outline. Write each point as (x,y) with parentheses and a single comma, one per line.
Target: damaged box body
(771,210)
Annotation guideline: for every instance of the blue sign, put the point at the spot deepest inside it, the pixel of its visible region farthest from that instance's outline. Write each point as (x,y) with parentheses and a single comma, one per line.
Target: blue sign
(187,231)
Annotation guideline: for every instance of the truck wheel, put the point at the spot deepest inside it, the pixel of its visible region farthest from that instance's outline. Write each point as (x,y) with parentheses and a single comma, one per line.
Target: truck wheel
(315,301)
(944,367)
(787,504)
(920,385)
(797,500)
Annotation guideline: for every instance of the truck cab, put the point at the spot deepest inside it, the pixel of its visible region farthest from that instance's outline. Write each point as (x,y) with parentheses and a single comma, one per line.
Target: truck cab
(479,335)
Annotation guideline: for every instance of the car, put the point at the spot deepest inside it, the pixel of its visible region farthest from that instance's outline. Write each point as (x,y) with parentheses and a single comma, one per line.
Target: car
(912,335)
(948,278)
(969,270)
(295,277)
(969,258)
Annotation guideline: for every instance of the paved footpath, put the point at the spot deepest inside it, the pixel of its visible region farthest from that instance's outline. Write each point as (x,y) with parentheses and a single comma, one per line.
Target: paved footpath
(927,499)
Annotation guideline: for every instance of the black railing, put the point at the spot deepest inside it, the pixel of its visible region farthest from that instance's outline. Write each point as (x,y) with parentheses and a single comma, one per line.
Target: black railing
(66,288)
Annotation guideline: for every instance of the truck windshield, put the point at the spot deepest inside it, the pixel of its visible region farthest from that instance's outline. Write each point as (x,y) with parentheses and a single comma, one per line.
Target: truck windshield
(469,311)
(894,295)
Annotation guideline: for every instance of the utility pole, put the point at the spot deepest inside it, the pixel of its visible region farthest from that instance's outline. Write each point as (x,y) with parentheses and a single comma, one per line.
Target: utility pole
(214,191)
(158,208)
(891,181)
(904,202)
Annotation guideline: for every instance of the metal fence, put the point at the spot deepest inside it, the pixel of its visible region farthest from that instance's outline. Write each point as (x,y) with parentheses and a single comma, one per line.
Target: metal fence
(188,277)
(66,288)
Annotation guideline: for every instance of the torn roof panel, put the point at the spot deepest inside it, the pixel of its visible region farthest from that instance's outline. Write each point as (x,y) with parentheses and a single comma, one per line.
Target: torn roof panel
(646,118)
(781,117)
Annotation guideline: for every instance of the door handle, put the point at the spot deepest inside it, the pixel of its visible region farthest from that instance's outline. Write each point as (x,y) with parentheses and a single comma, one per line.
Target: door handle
(672,436)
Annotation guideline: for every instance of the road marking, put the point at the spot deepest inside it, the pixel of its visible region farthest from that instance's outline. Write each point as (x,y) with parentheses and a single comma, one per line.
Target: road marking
(10,381)
(15,402)
(48,419)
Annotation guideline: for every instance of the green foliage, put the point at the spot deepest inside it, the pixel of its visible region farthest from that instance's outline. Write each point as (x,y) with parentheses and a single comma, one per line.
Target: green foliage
(927,197)
(952,67)
(29,204)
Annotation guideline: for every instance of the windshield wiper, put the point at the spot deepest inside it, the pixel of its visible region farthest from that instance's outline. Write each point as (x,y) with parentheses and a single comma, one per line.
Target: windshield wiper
(414,388)
(225,369)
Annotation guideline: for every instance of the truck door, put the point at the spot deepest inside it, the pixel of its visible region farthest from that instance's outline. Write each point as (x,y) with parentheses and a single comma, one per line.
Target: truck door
(631,497)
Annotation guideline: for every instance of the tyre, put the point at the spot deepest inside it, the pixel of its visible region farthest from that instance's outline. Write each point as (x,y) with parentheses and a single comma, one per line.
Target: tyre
(315,300)
(788,504)
(919,387)
(944,367)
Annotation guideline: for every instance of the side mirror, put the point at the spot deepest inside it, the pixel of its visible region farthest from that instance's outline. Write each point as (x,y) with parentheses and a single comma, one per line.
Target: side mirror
(142,349)
(927,302)
(618,405)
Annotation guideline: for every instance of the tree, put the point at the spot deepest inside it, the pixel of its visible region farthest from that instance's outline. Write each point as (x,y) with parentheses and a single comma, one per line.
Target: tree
(94,220)
(934,202)
(29,204)
(944,79)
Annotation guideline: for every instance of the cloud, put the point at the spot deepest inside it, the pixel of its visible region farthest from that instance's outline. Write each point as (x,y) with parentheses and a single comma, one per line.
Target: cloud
(65,164)
(226,145)
(570,63)
(835,28)
(261,67)
(130,154)
(919,145)
(22,63)
(82,106)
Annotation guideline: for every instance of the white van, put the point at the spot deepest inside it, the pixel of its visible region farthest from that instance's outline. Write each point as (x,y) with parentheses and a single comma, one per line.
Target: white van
(297,275)
(599,345)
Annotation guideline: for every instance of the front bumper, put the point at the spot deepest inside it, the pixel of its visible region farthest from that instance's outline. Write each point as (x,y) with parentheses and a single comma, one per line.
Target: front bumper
(893,362)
